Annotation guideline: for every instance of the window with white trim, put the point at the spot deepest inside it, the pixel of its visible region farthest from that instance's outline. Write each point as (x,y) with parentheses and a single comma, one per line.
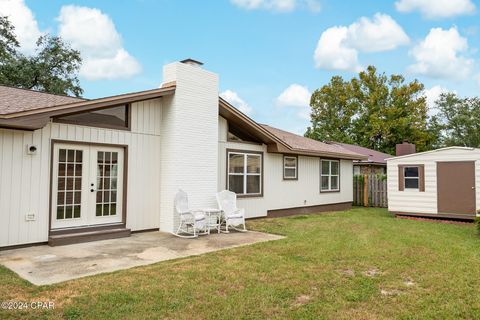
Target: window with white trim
(244,173)
(290,165)
(411,177)
(330,175)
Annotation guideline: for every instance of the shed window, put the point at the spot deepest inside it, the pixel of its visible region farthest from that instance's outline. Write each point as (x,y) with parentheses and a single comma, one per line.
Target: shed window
(290,165)
(411,177)
(330,175)
(245,173)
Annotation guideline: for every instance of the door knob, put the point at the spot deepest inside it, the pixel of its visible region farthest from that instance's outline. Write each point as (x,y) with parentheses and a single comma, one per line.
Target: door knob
(473,188)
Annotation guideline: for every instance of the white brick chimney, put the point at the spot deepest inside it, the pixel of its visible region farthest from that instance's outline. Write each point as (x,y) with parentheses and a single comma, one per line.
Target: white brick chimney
(189,150)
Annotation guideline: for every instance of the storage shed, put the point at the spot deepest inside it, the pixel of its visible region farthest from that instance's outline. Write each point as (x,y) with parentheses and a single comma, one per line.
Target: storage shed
(439,183)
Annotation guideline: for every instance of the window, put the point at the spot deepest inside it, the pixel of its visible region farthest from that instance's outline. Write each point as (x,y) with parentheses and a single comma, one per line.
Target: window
(411,177)
(244,173)
(114,117)
(330,175)
(290,168)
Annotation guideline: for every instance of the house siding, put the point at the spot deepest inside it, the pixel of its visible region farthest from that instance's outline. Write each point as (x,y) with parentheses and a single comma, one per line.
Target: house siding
(279,193)
(414,201)
(25,179)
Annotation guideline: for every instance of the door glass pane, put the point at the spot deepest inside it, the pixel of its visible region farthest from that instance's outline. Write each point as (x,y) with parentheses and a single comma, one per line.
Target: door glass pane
(60,212)
(98,211)
(69,212)
(69,183)
(107,179)
(76,211)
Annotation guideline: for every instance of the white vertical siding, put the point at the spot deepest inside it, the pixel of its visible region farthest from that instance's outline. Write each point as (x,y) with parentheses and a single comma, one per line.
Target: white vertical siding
(411,200)
(25,179)
(281,194)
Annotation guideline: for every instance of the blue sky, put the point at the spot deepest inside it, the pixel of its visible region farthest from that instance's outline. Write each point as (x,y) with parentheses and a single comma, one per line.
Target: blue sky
(260,48)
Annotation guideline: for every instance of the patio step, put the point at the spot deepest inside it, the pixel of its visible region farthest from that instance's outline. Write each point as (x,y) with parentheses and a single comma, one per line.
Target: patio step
(78,237)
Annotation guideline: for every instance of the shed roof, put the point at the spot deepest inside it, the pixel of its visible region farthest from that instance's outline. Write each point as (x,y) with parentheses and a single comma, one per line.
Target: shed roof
(432,151)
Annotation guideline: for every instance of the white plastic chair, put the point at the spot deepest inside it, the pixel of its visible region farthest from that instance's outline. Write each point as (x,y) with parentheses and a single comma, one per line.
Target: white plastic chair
(233,217)
(189,219)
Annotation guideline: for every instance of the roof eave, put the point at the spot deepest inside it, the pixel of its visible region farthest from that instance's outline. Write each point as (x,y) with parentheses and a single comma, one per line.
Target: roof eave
(37,119)
(95,103)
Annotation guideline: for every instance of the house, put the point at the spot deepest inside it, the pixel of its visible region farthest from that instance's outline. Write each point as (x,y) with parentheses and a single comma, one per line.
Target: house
(76,170)
(440,183)
(374,164)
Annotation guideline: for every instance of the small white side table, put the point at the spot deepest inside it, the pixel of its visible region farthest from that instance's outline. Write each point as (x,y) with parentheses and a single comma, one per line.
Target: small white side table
(214,218)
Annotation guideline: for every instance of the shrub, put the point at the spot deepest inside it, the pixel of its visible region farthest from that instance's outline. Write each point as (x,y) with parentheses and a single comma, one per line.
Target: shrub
(477,224)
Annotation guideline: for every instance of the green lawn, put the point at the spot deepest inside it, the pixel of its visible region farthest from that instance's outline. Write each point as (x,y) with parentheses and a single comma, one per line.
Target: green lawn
(360,264)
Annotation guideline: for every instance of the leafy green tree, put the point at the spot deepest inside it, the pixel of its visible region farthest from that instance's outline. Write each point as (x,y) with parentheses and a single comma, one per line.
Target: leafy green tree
(373,111)
(52,68)
(458,120)
(333,111)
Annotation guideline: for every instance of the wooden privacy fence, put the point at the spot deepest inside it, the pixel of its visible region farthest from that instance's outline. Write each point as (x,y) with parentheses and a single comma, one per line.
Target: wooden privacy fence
(370,190)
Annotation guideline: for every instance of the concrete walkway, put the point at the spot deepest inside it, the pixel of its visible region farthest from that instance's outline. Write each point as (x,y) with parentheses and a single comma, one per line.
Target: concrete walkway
(43,265)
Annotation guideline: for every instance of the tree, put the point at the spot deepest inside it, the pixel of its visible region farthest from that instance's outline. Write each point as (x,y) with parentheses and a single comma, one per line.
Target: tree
(458,120)
(332,110)
(52,68)
(373,111)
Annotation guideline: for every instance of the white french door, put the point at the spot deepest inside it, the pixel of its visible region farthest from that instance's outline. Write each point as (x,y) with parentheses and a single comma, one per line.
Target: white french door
(87,186)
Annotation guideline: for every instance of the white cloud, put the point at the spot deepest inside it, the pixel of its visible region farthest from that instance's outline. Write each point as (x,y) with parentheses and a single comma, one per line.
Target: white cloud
(233,98)
(332,53)
(431,96)
(297,96)
(382,33)
(93,33)
(434,9)
(294,96)
(338,47)
(22,18)
(442,55)
(278,5)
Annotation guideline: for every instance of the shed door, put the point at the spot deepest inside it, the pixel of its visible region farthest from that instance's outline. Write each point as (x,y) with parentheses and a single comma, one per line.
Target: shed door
(456,187)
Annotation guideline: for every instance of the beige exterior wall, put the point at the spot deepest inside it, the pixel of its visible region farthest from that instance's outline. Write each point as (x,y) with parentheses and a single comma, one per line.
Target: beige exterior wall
(411,200)
(279,193)
(25,179)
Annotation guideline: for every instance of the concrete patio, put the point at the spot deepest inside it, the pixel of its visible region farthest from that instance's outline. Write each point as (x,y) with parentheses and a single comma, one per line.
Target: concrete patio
(43,265)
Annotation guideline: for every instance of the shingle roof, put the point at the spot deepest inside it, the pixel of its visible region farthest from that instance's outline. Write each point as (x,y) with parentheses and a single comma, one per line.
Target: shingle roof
(373,155)
(297,142)
(13,100)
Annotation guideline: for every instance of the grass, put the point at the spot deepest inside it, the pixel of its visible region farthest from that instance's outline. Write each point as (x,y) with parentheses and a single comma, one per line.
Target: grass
(360,264)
